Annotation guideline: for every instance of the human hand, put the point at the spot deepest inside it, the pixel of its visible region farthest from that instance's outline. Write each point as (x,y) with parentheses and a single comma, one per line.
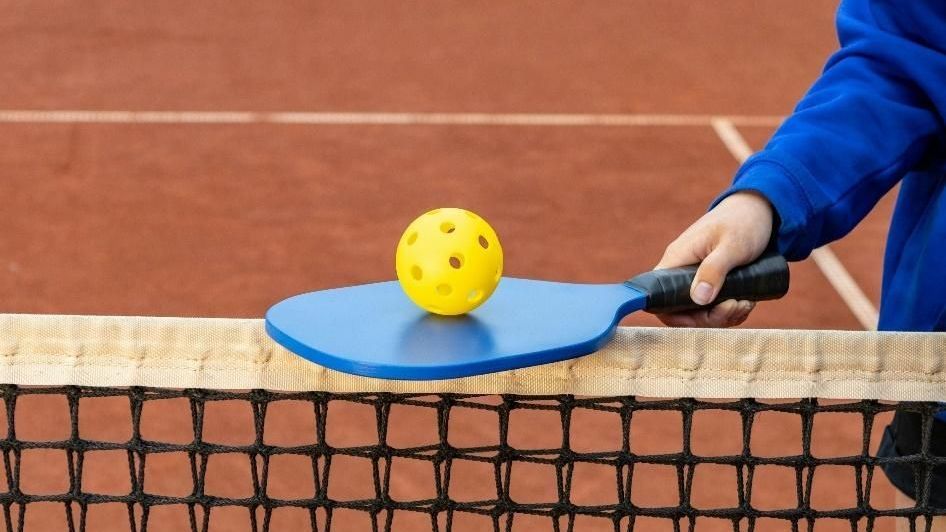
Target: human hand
(734,233)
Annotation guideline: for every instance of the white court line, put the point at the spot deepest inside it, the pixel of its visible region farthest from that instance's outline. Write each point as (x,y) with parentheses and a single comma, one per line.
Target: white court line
(824,257)
(458,119)
(127,117)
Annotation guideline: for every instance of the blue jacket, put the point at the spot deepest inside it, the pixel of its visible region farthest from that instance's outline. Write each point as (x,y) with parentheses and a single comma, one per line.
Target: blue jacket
(874,118)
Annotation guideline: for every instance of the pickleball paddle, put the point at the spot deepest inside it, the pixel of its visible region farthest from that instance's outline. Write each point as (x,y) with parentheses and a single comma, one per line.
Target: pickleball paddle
(374,330)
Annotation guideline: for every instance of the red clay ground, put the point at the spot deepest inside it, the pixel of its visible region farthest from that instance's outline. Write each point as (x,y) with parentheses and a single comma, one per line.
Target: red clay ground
(223,220)
(525,56)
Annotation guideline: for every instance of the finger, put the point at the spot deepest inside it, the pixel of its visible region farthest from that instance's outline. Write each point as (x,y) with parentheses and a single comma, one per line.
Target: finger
(729,313)
(682,319)
(717,316)
(723,315)
(686,250)
(745,309)
(726,314)
(712,272)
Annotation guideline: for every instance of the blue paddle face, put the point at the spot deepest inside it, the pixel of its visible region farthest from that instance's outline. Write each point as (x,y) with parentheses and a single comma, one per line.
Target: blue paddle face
(375,330)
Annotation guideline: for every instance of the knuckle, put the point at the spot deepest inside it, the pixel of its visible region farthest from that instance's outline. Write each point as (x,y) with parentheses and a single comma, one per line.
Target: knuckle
(712,269)
(673,248)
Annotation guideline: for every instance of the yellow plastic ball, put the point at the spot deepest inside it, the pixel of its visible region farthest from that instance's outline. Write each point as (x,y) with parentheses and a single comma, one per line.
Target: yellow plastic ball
(449,261)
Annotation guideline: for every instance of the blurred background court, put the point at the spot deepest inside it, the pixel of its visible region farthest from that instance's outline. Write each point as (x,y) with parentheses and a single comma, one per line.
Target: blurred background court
(230,154)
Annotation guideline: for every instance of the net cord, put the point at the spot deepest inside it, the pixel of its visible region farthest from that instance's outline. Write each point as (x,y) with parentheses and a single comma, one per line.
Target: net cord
(236,354)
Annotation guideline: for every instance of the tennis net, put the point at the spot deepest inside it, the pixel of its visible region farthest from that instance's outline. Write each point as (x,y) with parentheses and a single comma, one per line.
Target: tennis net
(205,424)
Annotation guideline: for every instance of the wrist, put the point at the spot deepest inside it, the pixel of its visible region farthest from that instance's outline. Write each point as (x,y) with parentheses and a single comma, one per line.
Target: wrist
(754,198)
(754,215)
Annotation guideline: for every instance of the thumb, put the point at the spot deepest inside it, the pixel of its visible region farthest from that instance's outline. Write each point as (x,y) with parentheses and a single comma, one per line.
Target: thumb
(712,272)
(683,251)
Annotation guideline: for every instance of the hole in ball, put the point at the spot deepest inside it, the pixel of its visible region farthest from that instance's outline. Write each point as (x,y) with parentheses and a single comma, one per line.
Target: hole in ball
(456,261)
(444,289)
(417,273)
(483,242)
(475,295)
(412,238)
(448,227)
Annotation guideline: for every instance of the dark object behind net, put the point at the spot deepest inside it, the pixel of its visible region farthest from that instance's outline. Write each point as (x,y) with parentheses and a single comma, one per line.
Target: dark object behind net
(451,482)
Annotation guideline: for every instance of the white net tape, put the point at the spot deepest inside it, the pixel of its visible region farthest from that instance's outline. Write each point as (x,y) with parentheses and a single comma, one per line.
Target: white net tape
(236,354)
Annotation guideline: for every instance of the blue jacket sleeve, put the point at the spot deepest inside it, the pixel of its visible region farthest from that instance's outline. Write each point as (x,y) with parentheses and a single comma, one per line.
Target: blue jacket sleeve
(862,126)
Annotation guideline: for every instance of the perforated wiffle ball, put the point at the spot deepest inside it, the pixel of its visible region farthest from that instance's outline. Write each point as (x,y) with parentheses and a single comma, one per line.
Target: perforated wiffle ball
(449,261)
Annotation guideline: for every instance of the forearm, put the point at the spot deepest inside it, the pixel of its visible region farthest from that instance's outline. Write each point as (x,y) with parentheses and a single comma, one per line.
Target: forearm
(863,125)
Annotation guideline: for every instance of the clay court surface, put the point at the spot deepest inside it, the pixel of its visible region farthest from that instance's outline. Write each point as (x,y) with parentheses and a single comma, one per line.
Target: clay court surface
(120,214)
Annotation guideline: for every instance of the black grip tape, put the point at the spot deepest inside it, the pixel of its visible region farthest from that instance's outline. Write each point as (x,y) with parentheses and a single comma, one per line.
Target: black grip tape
(669,290)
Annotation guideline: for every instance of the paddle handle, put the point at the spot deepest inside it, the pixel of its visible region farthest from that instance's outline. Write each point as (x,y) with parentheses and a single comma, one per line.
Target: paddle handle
(669,290)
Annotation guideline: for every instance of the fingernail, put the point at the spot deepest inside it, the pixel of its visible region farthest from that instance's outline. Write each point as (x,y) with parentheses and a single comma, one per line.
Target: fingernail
(741,312)
(703,293)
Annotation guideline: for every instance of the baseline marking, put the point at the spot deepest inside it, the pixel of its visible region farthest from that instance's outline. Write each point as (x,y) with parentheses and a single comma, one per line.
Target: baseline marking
(829,264)
(314,118)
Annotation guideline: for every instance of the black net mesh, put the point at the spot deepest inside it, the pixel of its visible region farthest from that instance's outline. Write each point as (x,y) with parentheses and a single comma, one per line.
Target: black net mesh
(80,458)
